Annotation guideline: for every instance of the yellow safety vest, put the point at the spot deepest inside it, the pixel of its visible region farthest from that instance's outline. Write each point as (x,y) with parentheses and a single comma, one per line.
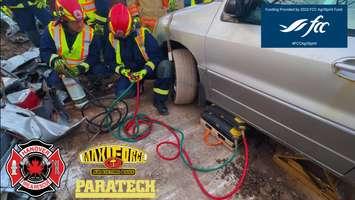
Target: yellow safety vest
(90,10)
(80,49)
(140,40)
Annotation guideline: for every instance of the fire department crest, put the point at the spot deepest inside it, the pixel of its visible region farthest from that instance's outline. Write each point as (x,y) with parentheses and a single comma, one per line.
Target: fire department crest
(35,168)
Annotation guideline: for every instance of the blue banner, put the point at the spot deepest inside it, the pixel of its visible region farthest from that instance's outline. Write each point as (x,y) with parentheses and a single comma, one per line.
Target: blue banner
(303,26)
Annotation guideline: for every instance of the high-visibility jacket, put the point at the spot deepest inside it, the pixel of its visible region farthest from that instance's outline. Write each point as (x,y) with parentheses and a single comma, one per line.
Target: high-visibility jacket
(80,49)
(140,41)
(139,50)
(90,10)
(148,11)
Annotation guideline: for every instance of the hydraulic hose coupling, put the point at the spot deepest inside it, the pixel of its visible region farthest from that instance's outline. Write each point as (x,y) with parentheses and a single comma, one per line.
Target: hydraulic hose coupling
(238,131)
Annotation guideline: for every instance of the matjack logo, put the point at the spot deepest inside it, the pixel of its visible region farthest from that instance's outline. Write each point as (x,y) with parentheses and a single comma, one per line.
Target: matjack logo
(35,168)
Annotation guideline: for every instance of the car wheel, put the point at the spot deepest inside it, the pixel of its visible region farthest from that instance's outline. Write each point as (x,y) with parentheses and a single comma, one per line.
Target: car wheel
(185,84)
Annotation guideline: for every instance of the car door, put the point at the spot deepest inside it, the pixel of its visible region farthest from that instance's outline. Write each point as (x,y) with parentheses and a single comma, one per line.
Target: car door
(293,95)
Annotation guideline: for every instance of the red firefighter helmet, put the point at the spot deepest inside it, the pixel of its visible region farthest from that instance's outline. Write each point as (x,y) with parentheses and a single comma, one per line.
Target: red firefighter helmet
(120,20)
(69,10)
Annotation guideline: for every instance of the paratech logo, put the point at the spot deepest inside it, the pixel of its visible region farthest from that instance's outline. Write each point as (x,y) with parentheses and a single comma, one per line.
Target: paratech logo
(315,25)
(36,168)
(115,189)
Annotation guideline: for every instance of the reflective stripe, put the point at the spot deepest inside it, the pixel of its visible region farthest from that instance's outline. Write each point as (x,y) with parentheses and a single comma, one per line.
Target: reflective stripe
(87,40)
(149,22)
(89,8)
(20,5)
(161,91)
(80,48)
(73,62)
(56,37)
(116,45)
(140,40)
(100,18)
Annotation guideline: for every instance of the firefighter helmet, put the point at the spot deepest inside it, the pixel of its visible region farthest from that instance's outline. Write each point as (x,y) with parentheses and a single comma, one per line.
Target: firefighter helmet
(69,10)
(120,20)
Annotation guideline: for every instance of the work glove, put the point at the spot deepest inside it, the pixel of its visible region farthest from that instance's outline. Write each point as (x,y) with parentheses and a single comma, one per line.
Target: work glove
(124,71)
(99,29)
(77,70)
(40,3)
(58,65)
(137,76)
(7,11)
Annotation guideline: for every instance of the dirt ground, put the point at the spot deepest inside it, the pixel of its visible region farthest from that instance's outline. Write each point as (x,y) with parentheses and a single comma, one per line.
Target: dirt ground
(8,48)
(265,181)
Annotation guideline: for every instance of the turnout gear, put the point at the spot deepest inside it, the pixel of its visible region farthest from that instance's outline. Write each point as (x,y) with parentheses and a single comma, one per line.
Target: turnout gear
(90,10)
(146,12)
(161,107)
(141,53)
(80,48)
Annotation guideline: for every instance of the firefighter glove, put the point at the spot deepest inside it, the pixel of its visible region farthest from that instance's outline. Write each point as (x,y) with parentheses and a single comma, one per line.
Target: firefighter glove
(139,75)
(77,70)
(40,4)
(58,65)
(124,71)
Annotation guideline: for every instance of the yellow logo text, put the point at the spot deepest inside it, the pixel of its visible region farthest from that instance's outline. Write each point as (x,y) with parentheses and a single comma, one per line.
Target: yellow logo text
(115,189)
(100,154)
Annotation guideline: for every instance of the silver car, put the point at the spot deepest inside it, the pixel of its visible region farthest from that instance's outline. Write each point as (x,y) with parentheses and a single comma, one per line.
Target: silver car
(302,97)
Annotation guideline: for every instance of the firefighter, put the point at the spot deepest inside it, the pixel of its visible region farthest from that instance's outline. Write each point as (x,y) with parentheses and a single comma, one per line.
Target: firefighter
(70,47)
(26,13)
(146,12)
(96,14)
(136,55)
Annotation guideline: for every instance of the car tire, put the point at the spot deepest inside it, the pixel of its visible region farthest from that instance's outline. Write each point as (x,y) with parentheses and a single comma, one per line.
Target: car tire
(185,85)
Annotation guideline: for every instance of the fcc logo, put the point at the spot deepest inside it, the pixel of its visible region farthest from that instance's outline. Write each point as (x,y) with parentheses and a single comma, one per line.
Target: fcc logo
(304,26)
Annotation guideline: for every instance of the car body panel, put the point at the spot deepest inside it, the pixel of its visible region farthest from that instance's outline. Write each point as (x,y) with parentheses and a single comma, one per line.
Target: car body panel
(191,38)
(291,94)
